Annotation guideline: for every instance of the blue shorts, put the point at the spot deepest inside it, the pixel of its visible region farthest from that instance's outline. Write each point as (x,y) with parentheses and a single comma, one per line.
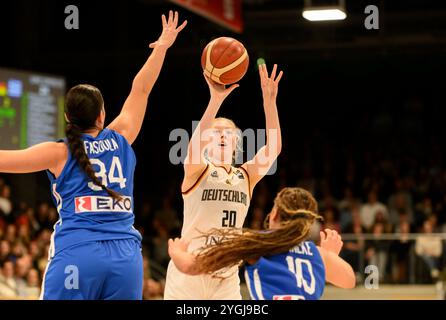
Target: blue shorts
(97,270)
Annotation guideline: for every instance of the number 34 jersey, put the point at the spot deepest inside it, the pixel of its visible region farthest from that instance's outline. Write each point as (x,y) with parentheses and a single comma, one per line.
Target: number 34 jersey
(219,199)
(298,274)
(86,212)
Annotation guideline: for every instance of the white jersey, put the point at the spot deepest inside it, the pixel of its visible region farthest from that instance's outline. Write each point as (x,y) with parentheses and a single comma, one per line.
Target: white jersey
(219,199)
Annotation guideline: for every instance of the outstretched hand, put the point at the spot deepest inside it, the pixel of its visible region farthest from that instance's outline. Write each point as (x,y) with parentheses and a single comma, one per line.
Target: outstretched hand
(270,84)
(219,91)
(170,30)
(331,241)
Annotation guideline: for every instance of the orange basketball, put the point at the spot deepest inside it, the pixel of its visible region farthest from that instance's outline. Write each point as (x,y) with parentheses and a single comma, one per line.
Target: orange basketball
(225,60)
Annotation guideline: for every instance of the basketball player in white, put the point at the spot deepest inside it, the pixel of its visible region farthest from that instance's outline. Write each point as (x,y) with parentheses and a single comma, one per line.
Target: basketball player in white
(215,193)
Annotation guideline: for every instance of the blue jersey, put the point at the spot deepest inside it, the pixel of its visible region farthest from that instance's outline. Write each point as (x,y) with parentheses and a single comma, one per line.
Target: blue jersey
(296,275)
(86,212)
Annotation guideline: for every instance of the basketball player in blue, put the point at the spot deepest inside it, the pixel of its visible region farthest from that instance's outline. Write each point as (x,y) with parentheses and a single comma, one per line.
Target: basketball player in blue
(95,251)
(280,263)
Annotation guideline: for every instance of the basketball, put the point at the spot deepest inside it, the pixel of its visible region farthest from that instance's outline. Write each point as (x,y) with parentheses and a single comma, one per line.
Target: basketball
(225,60)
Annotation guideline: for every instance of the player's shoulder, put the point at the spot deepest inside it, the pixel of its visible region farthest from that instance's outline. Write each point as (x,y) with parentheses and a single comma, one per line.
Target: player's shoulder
(58,148)
(107,132)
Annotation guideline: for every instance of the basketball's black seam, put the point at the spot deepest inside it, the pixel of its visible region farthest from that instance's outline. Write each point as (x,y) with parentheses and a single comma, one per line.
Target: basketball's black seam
(221,55)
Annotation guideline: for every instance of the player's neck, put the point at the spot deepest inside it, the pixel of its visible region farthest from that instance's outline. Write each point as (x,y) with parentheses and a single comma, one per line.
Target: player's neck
(93,132)
(226,166)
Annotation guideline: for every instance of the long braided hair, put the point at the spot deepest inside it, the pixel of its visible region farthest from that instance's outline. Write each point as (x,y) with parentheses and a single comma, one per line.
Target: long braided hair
(83,106)
(297,210)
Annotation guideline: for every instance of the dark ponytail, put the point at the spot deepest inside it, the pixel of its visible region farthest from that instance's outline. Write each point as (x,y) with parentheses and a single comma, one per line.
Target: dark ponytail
(83,106)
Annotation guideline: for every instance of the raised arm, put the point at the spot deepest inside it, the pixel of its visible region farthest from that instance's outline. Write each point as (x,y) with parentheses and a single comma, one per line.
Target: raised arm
(129,121)
(43,156)
(195,164)
(337,271)
(259,166)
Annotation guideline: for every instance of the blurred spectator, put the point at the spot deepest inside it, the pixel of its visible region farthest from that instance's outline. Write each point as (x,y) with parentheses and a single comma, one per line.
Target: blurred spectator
(10,233)
(423,211)
(400,202)
(377,250)
(152,290)
(330,220)
(31,289)
(352,250)
(346,205)
(400,250)
(43,261)
(5,201)
(168,216)
(8,285)
(380,218)
(160,248)
(370,209)
(429,248)
(5,250)
(43,216)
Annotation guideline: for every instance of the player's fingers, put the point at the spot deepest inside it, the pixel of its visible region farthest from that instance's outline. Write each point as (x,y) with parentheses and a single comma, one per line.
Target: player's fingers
(265,70)
(175,19)
(164,21)
(273,73)
(233,87)
(152,45)
(265,73)
(262,74)
(279,77)
(182,26)
(329,234)
(322,234)
(170,17)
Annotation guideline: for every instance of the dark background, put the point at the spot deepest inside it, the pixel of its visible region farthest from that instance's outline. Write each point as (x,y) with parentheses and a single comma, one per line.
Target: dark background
(360,110)
(350,97)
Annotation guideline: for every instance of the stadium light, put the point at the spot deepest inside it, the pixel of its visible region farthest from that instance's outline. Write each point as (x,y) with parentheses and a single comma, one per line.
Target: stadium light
(324,13)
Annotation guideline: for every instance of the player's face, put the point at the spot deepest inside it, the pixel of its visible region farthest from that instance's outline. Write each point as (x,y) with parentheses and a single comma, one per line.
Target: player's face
(223,141)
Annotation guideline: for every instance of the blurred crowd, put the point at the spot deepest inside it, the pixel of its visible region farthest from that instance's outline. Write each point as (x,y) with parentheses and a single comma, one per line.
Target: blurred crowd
(409,208)
(25,235)
(367,198)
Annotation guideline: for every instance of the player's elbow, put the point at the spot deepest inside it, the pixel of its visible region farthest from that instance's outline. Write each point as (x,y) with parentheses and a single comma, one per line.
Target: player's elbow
(349,281)
(139,86)
(342,276)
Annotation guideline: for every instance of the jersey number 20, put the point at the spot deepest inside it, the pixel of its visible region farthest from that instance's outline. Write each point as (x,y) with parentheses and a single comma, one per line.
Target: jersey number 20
(229,218)
(114,174)
(296,267)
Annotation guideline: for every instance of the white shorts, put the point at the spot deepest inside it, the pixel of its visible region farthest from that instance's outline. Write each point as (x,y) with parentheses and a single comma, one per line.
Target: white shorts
(180,286)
